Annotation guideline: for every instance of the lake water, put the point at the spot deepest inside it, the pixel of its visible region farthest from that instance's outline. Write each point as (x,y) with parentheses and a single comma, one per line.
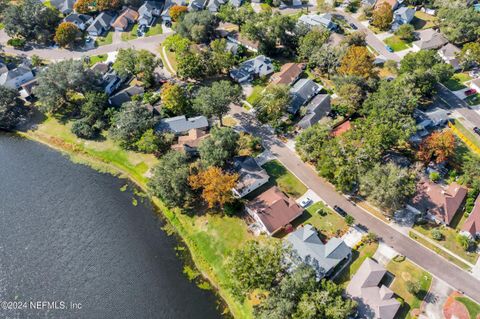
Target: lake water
(69,234)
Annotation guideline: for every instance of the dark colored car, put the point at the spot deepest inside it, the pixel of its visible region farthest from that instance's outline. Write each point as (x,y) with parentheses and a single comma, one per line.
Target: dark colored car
(340,210)
(353,26)
(476,130)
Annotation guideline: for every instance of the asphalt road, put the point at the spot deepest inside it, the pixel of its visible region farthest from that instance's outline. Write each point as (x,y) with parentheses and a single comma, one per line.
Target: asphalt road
(459,105)
(436,265)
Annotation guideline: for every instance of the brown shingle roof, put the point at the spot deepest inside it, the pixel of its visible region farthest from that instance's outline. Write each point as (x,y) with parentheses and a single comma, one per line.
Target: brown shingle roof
(127,16)
(441,202)
(275,209)
(288,74)
(193,139)
(472,224)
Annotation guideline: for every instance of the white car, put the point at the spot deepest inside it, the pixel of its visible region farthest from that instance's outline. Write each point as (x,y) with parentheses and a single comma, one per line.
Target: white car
(305,202)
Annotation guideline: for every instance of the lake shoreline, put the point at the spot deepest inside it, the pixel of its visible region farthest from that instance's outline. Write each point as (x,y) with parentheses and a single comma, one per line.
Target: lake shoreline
(77,156)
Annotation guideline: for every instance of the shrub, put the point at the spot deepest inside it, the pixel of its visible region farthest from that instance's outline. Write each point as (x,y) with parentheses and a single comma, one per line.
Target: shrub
(349,220)
(437,234)
(83,129)
(434,176)
(371,237)
(16,42)
(465,242)
(399,258)
(233,208)
(413,287)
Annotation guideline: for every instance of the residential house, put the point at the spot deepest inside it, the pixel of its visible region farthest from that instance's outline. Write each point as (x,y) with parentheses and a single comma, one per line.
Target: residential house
(429,39)
(110,80)
(315,20)
(369,3)
(471,227)
(101,68)
(238,38)
(148,12)
(475,84)
(308,248)
(189,143)
(393,3)
(16,77)
(440,203)
(316,110)
(302,92)
(166,8)
(374,299)
(100,24)
(180,125)
(125,95)
(26,89)
(257,67)
(214,5)
(236,3)
(250,175)
(127,18)
(64,6)
(449,54)
(288,74)
(341,128)
(197,5)
(82,21)
(403,15)
(273,210)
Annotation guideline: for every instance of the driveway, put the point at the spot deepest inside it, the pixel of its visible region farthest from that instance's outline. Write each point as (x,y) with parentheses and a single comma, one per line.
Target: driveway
(420,255)
(435,299)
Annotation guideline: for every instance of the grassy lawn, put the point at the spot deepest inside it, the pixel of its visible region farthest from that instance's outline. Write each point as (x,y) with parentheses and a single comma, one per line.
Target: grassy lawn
(154,30)
(440,252)
(326,221)
(131,35)
(473,99)
(168,56)
(455,83)
(2,26)
(256,94)
(48,4)
(285,180)
(210,238)
(474,139)
(396,43)
(423,21)
(404,272)
(358,257)
(472,307)
(98,58)
(108,39)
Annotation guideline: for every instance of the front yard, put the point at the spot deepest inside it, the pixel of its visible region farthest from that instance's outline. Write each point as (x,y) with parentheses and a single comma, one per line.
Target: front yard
(107,39)
(405,271)
(456,82)
(473,100)
(472,307)
(396,43)
(154,30)
(97,58)
(257,88)
(130,35)
(283,179)
(472,138)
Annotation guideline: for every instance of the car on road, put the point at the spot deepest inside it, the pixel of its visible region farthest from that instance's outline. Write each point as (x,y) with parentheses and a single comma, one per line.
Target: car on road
(470,92)
(305,202)
(353,26)
(389,48)
(476,130)
(340,210)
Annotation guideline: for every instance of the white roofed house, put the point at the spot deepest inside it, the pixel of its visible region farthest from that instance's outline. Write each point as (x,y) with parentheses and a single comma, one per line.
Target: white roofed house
(315,20)
(14,78)
(256,67)
(309,249)
(449,54)
(148,12)
(251,175)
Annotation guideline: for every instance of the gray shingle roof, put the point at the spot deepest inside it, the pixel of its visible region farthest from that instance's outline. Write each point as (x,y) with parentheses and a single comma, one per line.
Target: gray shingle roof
(249,173)
(180,124)
(302,91)
(317,109)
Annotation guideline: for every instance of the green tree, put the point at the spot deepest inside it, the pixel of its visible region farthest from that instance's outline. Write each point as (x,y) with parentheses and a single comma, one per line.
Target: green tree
(387,186)
(254,266)
(198,26)
(84,129)
(437,234)
(273,104)
(421,60)
(326,59)
(220,146)
(215,100)
(154,143)
(414,287)
(465,242)
(311,42)
(140,63)
(10,108)
(30,19)
(170,179)
(460,25)
(351,92)
(94,105)
(470,54)
(309,143)
(130,123)
(174,98)
(221,59)
(191,65)
(406,32)
(382,16)
(176,43)
(59,85)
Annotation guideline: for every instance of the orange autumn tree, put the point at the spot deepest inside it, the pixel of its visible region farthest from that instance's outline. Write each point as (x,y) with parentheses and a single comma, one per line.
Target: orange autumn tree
(88,6)
(216,185)
(382,16)
(359,62)
(176,11)
(66,34)
(439,146)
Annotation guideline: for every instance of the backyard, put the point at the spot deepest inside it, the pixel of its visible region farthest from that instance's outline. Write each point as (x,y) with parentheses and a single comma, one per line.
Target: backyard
(396,43)
(422,21)
(405,271)
(283,179)
(358,257)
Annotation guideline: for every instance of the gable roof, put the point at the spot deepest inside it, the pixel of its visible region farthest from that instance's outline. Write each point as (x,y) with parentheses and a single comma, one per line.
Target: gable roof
(125,18)
(102,22)
(323,257)
(20,71)
(125,95)
(365,286)
(274,209)
(192,140)
(249,172)
(64,6)
(472,224)
(302,91)
(180,124)
(288,73)
(77,18)
(342,128)
(316,109)
(406,14)
(260,65)
(441,202)
(314,20)
(430,39)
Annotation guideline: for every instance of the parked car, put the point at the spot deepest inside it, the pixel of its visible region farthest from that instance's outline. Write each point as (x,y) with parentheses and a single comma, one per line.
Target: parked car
(305,202)
(389,48)
(353,26)
(470,92)
(340,210)
(476,130)
(474,72)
